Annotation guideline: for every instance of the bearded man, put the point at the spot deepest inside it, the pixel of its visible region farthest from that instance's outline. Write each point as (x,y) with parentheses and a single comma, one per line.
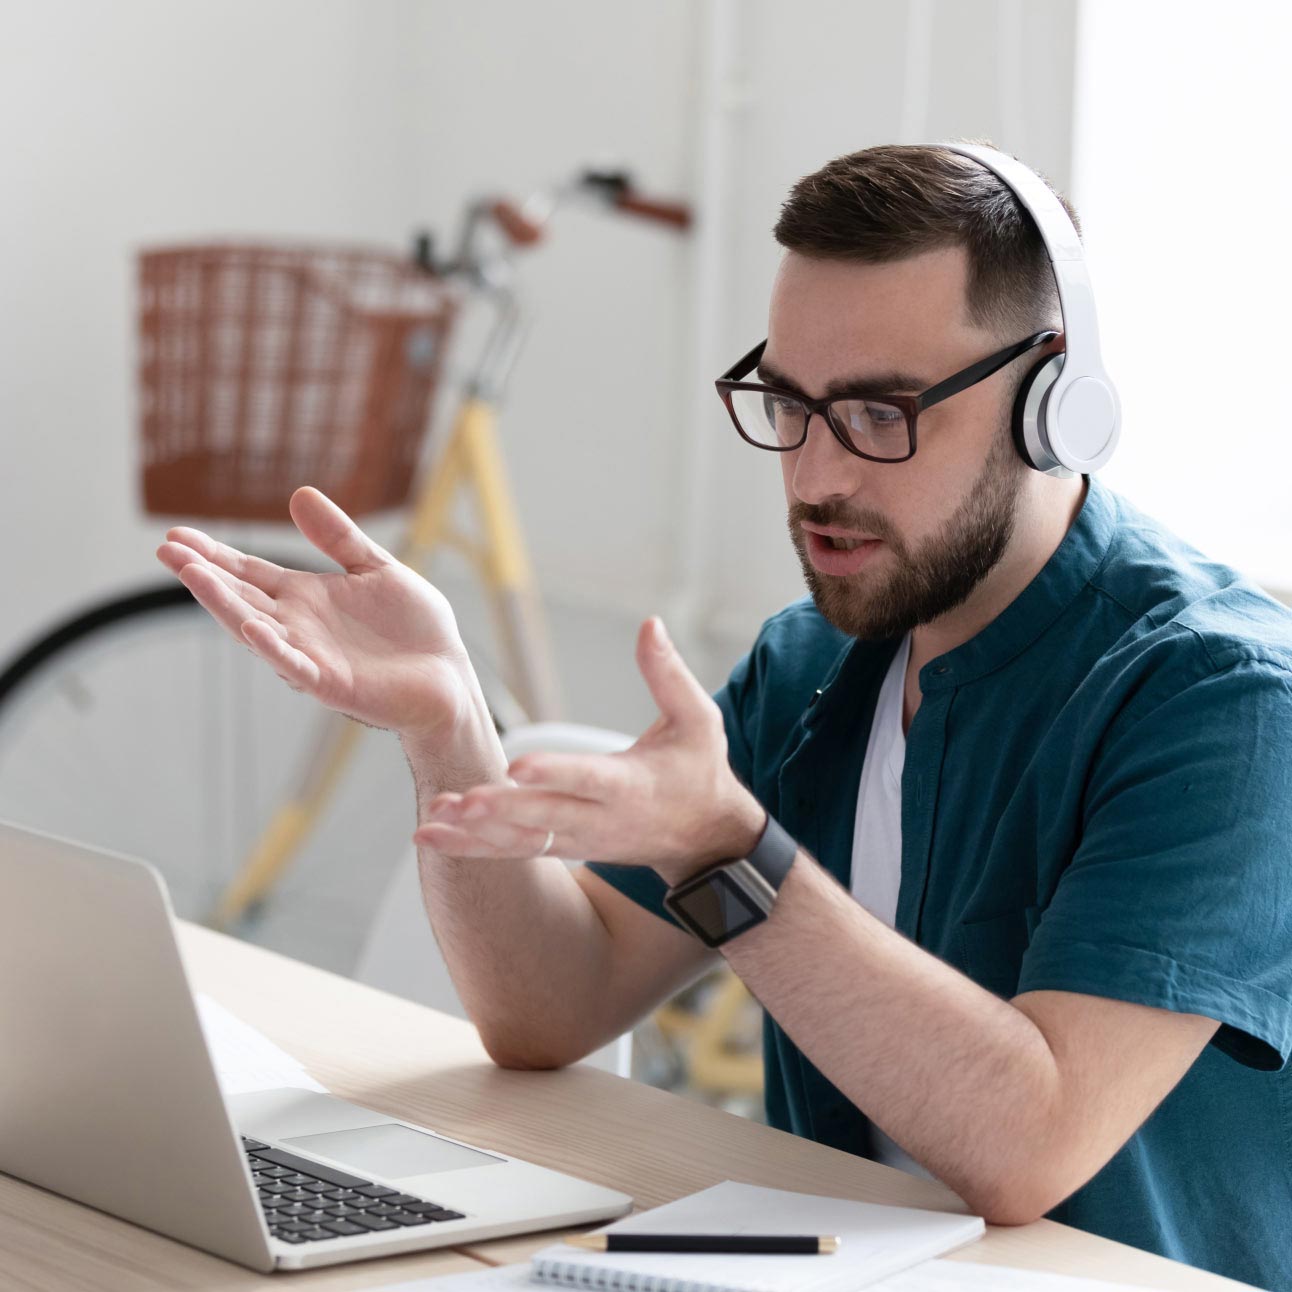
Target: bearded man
(1015,778)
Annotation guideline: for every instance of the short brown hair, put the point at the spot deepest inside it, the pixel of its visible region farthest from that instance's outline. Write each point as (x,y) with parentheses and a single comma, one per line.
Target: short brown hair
(898,200)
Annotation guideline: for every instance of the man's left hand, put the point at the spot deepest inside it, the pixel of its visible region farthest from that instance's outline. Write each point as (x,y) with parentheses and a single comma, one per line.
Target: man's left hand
(671,801)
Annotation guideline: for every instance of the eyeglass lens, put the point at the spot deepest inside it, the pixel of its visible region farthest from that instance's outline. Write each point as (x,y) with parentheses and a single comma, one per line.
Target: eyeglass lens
(779,421)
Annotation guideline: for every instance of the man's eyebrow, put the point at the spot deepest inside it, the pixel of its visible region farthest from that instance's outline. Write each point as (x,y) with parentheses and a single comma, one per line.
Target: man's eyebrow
(880,383)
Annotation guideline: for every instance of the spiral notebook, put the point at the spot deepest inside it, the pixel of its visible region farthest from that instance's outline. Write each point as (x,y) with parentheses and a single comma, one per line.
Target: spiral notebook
(930,1276)
(876,1241)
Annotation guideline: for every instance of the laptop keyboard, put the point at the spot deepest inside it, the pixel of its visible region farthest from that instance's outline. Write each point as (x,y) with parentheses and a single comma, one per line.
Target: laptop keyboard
(305,1201)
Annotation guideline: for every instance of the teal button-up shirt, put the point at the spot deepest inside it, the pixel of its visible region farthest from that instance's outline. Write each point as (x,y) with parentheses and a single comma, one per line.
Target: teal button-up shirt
(1097,798)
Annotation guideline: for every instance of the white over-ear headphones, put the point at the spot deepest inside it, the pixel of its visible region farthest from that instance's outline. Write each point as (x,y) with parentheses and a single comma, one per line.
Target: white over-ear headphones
(1067,417)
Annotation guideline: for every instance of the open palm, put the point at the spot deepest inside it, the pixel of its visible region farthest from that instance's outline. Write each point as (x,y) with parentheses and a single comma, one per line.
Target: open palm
(376,641)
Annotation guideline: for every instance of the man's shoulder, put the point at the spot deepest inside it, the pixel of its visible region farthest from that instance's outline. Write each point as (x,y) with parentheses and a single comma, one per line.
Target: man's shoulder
(1184,616)
(795,653)
(798,649)
(800,633)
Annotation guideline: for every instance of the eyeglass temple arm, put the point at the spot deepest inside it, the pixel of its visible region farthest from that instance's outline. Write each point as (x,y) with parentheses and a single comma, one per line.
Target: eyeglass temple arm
(982,370)
(743,367)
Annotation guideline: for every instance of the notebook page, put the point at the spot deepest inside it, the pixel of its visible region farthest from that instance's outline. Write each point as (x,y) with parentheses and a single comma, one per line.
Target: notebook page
(931,1276)
(876,1241)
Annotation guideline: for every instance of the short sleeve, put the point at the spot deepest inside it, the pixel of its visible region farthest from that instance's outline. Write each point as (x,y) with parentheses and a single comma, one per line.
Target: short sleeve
(641,883)
(1179,894)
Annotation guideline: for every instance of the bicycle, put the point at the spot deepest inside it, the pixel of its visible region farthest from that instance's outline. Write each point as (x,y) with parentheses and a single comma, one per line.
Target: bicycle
(81,739)
(75,668)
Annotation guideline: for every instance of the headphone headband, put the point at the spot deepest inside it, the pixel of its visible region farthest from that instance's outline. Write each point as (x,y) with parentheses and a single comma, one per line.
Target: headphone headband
(1078,414)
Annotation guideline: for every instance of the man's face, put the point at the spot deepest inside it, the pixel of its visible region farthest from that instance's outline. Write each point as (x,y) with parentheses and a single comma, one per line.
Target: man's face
(936,524)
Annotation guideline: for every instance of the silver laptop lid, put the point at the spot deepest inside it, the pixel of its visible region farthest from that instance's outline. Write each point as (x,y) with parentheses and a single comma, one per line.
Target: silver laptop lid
(107,1090)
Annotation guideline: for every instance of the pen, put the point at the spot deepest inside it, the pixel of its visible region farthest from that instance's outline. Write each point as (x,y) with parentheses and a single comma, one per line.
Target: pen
(746,1244)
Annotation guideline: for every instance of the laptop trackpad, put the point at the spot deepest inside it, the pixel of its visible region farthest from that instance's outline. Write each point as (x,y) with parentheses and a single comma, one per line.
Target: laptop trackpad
(392,1151)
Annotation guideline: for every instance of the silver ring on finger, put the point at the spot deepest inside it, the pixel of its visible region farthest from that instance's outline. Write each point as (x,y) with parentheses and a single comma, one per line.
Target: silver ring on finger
(551,838)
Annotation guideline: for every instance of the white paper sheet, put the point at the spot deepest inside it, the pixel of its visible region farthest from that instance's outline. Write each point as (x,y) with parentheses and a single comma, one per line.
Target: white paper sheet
(876,1242)
(932,1276)
(246,1059)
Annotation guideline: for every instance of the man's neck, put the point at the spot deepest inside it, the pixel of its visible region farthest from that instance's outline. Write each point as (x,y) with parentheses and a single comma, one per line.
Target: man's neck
(1045,514)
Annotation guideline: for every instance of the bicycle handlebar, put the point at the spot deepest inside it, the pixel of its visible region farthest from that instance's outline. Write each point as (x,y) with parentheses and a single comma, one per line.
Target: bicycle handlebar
(526,225)
(521,230)
(613,189)
(678,214)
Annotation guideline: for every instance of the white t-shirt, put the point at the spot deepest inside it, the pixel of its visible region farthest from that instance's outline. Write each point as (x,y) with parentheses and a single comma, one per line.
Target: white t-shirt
(877,836)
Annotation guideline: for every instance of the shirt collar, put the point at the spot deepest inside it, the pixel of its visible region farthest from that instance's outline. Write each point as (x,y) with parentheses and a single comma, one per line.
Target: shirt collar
(1049,594)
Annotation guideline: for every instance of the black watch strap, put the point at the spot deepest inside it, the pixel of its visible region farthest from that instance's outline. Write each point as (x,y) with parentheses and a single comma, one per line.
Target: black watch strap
(774,853)
(725,899)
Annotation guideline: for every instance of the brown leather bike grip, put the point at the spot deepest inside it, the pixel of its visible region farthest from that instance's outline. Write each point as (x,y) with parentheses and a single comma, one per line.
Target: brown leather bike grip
(521,231)
(678,214)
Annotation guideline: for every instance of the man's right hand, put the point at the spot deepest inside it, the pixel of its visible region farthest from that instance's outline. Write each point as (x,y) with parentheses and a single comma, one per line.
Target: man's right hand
(377,642)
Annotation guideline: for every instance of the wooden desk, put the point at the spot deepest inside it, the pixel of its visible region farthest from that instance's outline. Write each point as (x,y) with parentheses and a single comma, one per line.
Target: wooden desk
(429,1068)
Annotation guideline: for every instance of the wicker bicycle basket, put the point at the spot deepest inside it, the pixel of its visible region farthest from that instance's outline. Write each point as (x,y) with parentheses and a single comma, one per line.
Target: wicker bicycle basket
(266,368)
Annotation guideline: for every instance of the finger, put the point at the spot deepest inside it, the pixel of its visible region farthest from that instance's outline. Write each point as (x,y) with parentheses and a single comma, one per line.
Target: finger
(592,777)
(497,843)
(251,594)
(175,556)
(265,575)
(679,696)
(531,809)
(292,665)
(442,806)
(445,805)
(224,605)
(334,533)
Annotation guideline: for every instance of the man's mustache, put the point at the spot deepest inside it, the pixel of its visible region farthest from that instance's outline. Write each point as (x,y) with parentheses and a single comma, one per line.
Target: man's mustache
(864,522)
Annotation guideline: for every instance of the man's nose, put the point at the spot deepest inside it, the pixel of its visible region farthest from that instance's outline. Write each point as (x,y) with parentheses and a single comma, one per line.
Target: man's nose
(823,468)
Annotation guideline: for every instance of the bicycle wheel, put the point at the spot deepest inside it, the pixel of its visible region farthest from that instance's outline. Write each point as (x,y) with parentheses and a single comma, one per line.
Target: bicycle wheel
(142,727)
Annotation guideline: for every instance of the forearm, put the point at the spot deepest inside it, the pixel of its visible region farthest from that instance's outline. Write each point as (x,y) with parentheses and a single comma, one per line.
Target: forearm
(1013,1104)
(962,1079)
(525,947)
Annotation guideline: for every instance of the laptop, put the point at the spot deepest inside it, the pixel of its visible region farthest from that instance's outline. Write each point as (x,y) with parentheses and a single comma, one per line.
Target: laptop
(108,1095)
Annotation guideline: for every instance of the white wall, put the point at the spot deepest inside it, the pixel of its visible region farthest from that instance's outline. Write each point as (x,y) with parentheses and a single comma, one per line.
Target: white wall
(820,78)
(146,121)
(515,97)
(1181,129)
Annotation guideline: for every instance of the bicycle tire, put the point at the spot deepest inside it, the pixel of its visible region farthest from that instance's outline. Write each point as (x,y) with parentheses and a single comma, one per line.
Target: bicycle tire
(140,726)
(504,709)
(49,695)
(82,624)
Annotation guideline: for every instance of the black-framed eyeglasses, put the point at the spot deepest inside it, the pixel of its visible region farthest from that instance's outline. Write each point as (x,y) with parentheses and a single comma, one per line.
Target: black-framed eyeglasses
(880,428)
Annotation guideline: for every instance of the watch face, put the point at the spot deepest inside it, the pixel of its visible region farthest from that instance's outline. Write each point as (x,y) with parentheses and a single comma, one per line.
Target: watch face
(718,907)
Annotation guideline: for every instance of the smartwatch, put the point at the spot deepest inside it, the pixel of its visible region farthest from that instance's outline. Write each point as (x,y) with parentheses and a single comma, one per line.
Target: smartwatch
(730,897)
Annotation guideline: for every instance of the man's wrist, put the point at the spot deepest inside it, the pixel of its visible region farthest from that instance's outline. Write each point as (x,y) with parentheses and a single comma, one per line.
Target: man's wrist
(731,897)
(749,820)
(739,828)
(457,755)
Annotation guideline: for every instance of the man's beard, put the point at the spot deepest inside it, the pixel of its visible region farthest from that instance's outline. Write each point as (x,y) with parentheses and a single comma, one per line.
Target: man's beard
(930,581)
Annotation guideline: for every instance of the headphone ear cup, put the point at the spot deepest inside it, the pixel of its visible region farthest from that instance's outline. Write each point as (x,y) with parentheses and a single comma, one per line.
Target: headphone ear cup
(1027,420)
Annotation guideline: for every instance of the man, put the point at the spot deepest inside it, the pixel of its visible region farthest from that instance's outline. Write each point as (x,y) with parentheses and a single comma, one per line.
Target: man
(1036,755)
